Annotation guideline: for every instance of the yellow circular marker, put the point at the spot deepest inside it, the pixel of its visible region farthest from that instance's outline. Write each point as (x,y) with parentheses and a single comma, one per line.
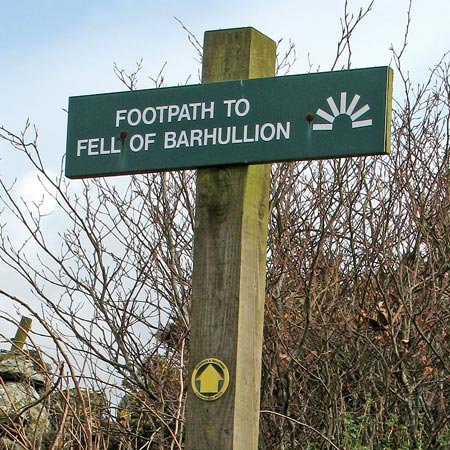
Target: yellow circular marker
(210,379)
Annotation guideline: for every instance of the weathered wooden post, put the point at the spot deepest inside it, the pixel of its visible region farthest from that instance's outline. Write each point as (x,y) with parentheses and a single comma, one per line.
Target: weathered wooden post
(23,329)
(22,411)
(229,271)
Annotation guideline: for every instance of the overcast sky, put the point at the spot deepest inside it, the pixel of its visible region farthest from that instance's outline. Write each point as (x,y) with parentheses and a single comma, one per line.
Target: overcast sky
(53,49)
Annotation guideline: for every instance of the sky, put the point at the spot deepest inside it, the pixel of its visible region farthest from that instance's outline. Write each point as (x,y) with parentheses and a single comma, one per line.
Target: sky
(53,49)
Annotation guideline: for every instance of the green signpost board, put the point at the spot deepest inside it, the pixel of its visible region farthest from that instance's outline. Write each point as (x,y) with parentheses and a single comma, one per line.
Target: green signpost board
(299,117)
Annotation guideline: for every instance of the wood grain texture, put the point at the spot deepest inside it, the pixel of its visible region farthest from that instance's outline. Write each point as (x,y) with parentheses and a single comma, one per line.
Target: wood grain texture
(228,285)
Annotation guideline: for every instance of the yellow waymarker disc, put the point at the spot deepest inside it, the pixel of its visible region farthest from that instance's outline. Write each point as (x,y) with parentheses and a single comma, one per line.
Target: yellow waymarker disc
(210,379)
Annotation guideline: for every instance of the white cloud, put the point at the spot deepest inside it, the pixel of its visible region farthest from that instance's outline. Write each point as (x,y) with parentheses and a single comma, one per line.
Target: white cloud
(37,192)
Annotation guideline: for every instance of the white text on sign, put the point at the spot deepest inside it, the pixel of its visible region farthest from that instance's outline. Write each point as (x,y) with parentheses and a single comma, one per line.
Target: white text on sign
(187,138)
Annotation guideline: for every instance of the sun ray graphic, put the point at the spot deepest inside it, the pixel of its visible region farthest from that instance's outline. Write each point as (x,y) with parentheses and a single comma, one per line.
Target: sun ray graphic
(352,110)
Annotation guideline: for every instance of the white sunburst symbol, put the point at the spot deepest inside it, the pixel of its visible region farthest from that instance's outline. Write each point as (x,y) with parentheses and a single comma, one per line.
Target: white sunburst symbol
(343,109)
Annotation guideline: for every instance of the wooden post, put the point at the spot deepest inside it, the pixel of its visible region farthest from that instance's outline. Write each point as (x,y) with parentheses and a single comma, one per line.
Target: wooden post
(23,329)
(228,286)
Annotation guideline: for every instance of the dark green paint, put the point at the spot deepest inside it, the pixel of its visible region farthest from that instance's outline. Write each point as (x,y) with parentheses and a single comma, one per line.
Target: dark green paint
(272,100)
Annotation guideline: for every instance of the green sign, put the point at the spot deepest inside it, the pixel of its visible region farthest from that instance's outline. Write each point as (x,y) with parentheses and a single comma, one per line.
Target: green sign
(299,117)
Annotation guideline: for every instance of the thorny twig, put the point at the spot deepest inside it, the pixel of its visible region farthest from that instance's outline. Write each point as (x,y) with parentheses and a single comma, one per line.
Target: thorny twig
(348,25)
(129,80)
(287,59)
(193,40)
